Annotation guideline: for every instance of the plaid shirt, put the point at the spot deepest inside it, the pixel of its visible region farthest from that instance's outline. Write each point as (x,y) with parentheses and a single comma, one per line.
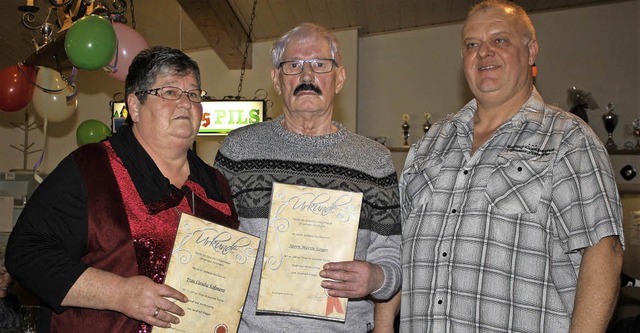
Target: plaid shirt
(490,239)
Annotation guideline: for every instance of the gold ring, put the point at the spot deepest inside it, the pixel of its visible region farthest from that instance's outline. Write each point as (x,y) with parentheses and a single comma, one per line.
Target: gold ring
(155,314)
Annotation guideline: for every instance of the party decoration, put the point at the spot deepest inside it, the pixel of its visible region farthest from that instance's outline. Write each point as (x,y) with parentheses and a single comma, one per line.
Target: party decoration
(16,87)
(53,98)
(26,147)
(90,42)
(92,130)
(130,43)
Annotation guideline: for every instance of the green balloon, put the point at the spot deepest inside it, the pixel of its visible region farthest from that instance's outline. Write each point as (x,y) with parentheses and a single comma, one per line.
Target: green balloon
(92,130)
(90,42)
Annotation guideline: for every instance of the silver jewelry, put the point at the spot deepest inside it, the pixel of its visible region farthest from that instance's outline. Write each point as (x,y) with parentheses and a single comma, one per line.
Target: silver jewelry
(155,314)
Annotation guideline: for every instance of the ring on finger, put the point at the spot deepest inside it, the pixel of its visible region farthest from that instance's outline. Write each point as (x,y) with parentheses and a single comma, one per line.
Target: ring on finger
(155,314)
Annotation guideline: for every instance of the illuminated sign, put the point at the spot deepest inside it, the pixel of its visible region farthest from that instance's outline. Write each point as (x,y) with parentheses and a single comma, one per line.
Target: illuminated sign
(218,117)
(118,115)
(221,117)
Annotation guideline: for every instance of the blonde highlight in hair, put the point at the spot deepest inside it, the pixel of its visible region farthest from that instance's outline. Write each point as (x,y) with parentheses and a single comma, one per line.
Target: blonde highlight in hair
(510,8)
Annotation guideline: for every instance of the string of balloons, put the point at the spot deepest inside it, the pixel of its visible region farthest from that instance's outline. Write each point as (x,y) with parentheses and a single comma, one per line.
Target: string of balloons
(93,42)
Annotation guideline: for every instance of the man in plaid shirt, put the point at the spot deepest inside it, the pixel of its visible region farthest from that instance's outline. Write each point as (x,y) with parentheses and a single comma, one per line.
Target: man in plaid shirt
(511,216)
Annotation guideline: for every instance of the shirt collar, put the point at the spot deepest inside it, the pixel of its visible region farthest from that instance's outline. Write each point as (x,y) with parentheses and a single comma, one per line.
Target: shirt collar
(154,188)
(531,111)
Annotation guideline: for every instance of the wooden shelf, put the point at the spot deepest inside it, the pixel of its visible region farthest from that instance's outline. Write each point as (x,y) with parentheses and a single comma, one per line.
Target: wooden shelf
(628,188)
(623,151)
(401,149)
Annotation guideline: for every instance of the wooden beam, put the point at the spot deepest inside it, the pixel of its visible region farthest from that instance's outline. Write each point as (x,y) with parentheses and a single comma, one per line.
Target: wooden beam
(220,26)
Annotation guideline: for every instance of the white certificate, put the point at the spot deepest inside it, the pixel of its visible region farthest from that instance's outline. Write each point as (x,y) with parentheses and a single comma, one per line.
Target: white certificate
(308,227)
(212,265)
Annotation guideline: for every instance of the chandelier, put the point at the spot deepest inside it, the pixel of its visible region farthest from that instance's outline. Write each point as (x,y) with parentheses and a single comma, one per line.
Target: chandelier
(61,14)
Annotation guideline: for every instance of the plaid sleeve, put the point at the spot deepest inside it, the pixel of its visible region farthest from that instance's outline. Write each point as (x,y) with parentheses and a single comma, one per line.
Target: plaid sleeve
(585,196)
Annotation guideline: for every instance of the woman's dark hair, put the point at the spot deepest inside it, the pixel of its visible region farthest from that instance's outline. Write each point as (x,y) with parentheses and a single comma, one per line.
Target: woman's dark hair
(150,63)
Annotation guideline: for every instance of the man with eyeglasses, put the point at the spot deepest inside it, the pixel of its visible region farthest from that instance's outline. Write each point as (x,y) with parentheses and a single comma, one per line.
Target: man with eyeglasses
(304,146)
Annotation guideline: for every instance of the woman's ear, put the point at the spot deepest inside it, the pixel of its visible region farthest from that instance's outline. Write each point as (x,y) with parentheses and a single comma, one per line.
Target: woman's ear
(134,107)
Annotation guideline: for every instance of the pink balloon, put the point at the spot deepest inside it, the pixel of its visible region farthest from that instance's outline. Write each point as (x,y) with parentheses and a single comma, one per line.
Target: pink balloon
(130,43)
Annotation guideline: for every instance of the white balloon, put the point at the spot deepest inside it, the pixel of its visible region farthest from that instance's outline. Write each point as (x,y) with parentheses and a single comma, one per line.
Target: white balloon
(52,104)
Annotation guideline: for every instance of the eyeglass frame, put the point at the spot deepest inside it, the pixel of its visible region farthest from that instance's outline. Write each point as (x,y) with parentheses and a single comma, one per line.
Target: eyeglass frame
(157,92)
(310,61)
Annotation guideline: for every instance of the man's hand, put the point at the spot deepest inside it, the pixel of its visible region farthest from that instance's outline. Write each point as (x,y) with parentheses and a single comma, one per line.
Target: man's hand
(351,279)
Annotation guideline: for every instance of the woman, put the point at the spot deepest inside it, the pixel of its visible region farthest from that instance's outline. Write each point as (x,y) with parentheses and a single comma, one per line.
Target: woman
(9,302)
(95,239)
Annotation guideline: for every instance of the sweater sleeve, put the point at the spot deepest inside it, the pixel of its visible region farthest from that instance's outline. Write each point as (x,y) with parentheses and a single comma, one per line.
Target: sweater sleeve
(385,252)
(46,246)
(383,213)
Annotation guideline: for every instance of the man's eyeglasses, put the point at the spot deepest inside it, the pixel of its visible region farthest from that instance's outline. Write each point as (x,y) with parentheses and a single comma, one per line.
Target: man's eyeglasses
(319,66)
(174,93)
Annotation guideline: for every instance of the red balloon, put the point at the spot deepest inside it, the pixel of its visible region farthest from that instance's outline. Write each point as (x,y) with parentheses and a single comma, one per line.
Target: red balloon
(16,87)
(130,43)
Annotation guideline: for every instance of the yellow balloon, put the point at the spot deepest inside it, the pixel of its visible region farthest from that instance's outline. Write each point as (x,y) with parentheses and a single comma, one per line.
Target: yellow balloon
(52,104)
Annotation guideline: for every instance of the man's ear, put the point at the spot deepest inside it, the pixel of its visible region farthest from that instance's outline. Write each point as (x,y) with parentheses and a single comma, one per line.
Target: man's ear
(134,107)
(533,51)
(341,76)
(275,79)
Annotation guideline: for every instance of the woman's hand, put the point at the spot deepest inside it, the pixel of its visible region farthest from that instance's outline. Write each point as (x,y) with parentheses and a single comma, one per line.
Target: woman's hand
(153,303)
(137,297)
(5,281)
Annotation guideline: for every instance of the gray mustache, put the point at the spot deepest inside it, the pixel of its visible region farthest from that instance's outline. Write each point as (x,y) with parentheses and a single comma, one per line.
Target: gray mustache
(307,86)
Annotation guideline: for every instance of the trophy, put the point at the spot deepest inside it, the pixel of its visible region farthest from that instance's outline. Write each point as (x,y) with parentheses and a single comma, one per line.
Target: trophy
(405,128)
(427,125)
(610,121)
(636,131)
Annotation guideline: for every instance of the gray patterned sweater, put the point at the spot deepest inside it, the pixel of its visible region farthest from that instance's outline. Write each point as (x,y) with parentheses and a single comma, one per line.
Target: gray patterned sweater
(255,156)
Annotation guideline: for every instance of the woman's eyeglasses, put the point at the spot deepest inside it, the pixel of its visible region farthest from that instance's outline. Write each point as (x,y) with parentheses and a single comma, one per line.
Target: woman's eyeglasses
(175,93)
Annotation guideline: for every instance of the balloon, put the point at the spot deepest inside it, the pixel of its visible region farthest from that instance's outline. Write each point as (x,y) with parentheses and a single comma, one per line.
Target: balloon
(53,104)
(92,130)
(90,42)
(16,87)
(130,43)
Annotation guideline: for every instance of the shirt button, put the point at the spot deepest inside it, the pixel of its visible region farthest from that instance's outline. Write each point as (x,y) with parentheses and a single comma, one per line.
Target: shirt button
(453,211)
(444,254)
(465,172)
(519,169)
(439,301)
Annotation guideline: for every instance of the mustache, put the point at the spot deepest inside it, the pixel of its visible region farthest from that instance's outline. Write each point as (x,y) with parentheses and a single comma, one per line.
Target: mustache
(305,87)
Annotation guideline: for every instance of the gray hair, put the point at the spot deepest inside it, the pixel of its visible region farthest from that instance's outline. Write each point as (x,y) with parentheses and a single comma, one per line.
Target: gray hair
(301,33)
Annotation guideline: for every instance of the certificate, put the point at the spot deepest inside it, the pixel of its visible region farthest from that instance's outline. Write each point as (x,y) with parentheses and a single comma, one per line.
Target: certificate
(308,227)
(212,265)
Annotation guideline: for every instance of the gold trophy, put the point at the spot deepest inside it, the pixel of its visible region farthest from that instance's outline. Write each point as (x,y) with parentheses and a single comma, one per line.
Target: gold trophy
(610,121)
(405,128)
(427,124)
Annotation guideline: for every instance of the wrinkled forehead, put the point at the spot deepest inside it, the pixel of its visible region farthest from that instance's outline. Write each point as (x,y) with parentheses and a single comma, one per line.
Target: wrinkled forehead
(308,43)
(498,19)
(170,76)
